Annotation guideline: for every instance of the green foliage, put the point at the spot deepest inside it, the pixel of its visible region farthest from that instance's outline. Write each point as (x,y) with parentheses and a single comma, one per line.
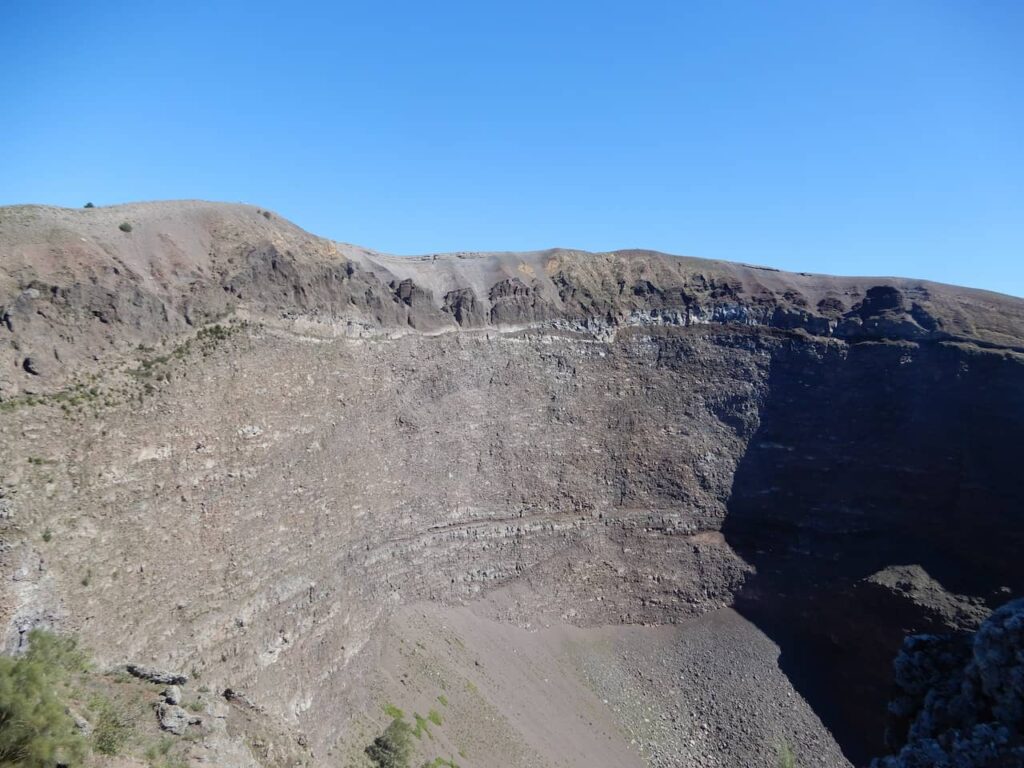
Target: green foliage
(786,758)
(444,701)
(124,226)
(393,712)
(421,727)
(440,762)
(393,748)
(155,751)
(89,205)
(59,654)
(112,726)
(47,535)
(159,755)
(215,332)
(35,728)
(434,716)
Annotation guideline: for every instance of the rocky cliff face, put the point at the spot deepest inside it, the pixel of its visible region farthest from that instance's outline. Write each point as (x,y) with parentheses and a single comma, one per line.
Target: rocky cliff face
(244,446)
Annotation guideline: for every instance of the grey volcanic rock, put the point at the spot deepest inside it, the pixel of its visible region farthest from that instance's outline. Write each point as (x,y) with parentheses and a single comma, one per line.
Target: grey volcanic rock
(156,675)
(961,700)
(172,694)
(175,719)
(912,583)
(319,434)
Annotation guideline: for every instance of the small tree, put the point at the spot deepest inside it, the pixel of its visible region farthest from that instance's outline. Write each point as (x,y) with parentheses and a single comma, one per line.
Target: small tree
(35,728)
(89,205)
(393,748)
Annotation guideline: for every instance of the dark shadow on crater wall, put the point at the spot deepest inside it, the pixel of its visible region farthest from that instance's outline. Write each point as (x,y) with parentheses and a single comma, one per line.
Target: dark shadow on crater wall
(871,455)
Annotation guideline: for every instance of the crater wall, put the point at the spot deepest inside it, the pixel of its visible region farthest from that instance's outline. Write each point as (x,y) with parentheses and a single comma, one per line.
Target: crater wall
(234,449)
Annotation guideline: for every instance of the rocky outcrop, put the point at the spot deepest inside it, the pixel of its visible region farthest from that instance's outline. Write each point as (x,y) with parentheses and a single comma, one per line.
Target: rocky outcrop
(960,701)
(462,305)
(174,719)
(189,264)
(156,676)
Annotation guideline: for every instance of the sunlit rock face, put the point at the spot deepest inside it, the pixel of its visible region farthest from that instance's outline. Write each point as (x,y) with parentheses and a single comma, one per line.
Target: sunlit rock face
(249,446)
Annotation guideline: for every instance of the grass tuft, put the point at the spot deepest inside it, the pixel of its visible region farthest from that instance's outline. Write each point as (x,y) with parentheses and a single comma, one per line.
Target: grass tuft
(786,758)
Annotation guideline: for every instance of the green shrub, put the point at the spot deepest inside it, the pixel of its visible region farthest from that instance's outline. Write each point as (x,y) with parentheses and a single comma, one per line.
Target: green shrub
(111,726)
(393,748)
(158,750)
(786,757)
(421,727)
(59,654)
(125,227)
(35,729)
(89,205)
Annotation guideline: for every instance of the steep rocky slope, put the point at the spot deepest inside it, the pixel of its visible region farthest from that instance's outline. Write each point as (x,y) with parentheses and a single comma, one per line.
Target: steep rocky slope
(234,448)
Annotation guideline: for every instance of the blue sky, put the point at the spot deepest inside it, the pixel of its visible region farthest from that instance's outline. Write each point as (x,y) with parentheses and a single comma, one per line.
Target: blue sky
(847,137)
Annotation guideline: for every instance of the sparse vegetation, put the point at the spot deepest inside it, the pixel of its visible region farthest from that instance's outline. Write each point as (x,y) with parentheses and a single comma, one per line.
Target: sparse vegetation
(56,710)
(421,727)
(74,396)
(440,762)
(124,226)
(160,755)
(112,726)
(88,205)
(47,535)
(443,699)
(393,748)
(786,758)
(158,750)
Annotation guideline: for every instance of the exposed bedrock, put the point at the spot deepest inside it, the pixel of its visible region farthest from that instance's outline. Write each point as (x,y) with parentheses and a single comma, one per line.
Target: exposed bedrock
(867,457)
(613,438)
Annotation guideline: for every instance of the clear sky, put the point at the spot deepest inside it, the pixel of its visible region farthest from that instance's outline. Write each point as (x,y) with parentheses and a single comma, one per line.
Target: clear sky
(852,137)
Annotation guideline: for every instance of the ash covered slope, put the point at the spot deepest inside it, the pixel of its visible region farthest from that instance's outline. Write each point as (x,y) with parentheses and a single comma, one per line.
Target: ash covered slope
(244,447)
(74,286)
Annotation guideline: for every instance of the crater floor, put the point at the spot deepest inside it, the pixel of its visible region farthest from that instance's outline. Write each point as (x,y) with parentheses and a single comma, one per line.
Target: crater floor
(705,692)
